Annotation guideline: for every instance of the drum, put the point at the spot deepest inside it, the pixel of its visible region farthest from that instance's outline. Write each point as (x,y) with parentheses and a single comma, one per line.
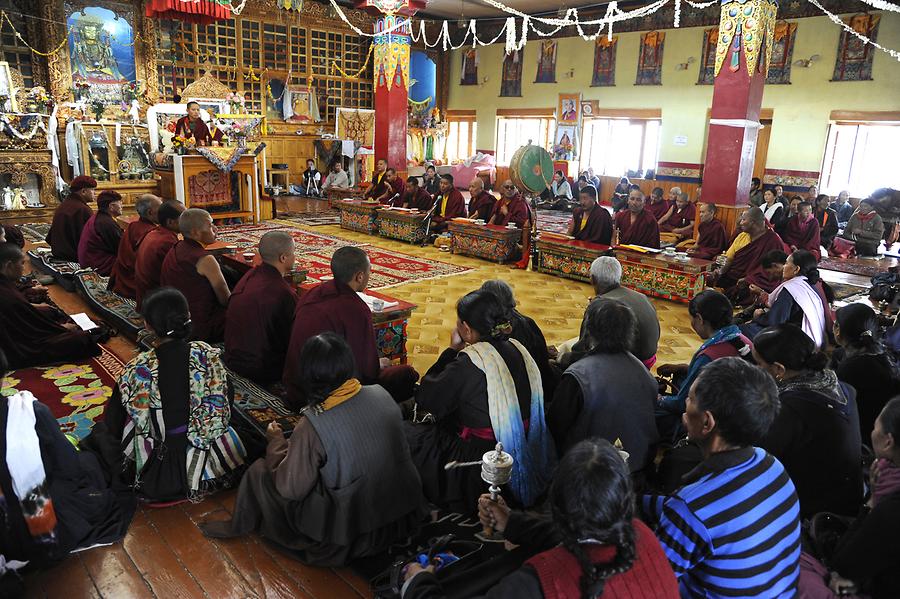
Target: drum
(531,169)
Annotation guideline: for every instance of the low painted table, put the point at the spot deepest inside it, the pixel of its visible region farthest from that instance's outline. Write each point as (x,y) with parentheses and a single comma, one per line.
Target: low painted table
(359,216)
(491,242)
(343,193)
(567,257)
(663,276)
(402,225)
(390,325)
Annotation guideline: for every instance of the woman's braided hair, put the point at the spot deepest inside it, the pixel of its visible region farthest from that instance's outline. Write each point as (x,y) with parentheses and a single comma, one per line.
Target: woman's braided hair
(591,498)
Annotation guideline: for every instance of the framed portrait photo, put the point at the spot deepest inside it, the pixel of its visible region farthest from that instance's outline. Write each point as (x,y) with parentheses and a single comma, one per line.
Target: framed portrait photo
(568,109)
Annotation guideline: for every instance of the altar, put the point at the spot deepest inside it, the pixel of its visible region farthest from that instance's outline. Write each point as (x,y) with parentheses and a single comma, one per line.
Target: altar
(224,194)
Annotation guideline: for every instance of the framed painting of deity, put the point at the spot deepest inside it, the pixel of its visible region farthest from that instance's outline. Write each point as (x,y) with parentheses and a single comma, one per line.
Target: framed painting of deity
(708,57)
(567,110)
(101,52)
(854,57)
(469,72)
(649,71)
(546,68)
(782,53)
(605,61)
(7,88)
(511,79)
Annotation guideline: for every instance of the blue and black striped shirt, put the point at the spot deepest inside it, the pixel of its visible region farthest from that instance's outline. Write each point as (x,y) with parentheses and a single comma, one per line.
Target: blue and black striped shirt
(733,528)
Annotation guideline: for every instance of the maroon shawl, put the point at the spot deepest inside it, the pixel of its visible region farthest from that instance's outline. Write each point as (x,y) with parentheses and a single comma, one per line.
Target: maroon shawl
(643,231)
(518,212)
(803,236)
(595,228)
(750,256)
(679,218)
(711,240)
(658,209)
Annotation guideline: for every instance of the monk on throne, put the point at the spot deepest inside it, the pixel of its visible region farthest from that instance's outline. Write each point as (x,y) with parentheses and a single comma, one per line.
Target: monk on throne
(191,126)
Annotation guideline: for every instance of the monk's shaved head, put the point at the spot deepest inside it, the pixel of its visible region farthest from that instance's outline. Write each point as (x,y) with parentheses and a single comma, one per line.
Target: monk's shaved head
(275,244)
(147,206)
(756,216)
(9,252)
(193,220)
(347,262)
(169,213)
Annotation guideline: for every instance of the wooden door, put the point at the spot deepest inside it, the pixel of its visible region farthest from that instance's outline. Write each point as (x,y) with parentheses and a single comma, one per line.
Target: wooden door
(762,148)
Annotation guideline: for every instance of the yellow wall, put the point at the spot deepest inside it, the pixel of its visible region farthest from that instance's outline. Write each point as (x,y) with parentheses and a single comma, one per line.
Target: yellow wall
(801,110)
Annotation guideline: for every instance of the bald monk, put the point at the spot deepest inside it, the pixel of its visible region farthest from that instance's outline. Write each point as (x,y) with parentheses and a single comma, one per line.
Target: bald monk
(711,236)
(121,279)
(481,202)
(261,312)
(658,205)
(155,247)
(393,189)
(415,196)
(12,234)
(680,217)
(30,334)
(754,241)
(335,306)
(101,235)
(196,274)
(70,217)
(636,226)
(591,222)
(511,208)
(802,231)
(449,204)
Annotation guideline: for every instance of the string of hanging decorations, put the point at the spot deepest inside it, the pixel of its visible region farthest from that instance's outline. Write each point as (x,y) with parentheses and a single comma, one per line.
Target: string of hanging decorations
(335,67)
(4,19)
(838,21)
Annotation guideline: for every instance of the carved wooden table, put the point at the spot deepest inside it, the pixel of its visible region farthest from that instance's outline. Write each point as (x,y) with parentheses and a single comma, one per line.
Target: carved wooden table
(491,242)
(663,276)
(567,257)
(359,216)
(402,224)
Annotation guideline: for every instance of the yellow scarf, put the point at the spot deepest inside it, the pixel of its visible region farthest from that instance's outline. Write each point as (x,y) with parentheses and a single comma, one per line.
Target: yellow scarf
(350,388)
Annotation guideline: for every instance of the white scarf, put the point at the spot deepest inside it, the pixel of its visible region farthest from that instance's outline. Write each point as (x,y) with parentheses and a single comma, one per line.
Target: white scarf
(810,302)
(23,451)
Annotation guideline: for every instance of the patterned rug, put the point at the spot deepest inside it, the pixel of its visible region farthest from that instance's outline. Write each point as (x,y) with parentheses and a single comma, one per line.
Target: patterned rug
(312,220)
(35,232)
(116,311)
(246,237)
(844,290)
(63,272)
(258,407)
(553,221)
(867,267)
(75,393)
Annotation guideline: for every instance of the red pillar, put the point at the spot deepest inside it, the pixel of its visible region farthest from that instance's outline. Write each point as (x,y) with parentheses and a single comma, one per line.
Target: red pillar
(742,62)
(391,91)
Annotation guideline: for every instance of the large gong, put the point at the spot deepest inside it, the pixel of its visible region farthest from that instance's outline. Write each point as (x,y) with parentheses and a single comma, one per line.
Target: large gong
(531,169)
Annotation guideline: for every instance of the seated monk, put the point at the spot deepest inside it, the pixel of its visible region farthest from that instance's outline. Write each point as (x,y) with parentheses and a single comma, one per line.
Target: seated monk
(802,232)
(481,203)
(393,189)
(261,311)
(335,306)
(591,222)
(11,234)
(711,237)
(377,184)
(196,274)
(32,335)
(511,208)
(754,241)
(121,279)
(763,279)
(152,252)
(69,219)
(415,196)
(659,206)
(449,205)
(636,226)
(680,217)
(101,235)
(191,126)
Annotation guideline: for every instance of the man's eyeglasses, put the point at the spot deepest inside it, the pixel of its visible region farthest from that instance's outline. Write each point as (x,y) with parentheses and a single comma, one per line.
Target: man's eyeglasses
(509,187)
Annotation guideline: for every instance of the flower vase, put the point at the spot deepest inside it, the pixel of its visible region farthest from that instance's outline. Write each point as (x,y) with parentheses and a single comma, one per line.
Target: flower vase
(241,142)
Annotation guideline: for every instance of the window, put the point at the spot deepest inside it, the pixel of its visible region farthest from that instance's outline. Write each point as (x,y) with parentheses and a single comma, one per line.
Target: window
(461,134)
(515,132)
(615,146)
(861,157)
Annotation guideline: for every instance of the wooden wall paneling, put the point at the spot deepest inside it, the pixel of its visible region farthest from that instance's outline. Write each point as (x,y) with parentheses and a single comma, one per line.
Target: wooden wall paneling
(608,186)
(762,149)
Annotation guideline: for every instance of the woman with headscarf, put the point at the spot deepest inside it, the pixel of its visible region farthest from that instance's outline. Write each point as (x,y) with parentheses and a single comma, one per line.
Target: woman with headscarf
(484,389)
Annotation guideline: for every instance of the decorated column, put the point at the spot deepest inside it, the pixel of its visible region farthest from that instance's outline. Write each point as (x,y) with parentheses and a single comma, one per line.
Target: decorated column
(746,30)
(391,89)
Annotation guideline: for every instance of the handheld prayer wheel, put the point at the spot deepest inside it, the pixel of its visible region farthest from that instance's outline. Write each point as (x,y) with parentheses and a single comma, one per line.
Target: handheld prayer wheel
(496,470)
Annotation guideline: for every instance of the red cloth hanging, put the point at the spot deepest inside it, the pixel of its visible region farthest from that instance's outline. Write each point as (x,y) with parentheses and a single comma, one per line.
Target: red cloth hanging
(201,12)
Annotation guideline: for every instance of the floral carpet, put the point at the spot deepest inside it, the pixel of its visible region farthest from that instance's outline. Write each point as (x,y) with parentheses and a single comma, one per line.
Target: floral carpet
(75,393)
(553,221)
(246,237)
(867,267)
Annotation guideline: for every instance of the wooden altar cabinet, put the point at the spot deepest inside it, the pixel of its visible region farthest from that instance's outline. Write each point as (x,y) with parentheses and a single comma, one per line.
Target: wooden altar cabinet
(663,276)
(405,225)
(359,216)
(492,242)
(335,195)
(568,258)
(247,185)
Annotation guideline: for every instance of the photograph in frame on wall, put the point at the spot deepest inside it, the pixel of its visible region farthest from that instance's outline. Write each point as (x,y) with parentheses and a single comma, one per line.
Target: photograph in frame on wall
(7,88)
(567,109)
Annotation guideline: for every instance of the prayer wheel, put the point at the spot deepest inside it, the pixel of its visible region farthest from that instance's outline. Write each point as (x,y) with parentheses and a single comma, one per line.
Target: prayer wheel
(531,169)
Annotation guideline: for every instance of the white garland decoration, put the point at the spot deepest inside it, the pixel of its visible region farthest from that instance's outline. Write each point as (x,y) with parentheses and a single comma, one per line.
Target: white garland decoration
(837,20)
(39,125)
(882,5)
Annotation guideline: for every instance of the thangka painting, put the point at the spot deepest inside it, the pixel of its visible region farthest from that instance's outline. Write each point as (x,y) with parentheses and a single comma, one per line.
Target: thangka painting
(782,53)
(511,80)
(605,62)
(854,57)
(546,67)
(469,72)
(708,57)
(101,52)
(649,71)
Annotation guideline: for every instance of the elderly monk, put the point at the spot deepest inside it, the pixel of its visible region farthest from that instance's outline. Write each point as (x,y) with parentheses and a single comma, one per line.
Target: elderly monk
(261,311)
(335,306)
(415,196)
(449,204)
(711,236)
(481,202)
(802,231)
(153,250)
(659,205)
(590,221)
(511,208)
(101,235)
(680,217)
(196,274)
(636,226)
(121,280)
(31,335)
(393,189)
(378,184)
(70,217)
(754,241)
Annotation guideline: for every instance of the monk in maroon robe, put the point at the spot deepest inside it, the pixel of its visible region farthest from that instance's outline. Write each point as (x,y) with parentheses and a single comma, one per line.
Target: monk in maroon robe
(154,248)
(416,197)
(378,183)
(261,313)
(393,189)
(191,126)
(481,202)
(449,205)
(659,206)
(680,217)
(711,236)
(636,226)
(196,274)
(30,334)
(11,234)
(70,217)
(802,231)
(336,306)
(121,279)
(511,208)
(591,222)
(101,236)
(762,241)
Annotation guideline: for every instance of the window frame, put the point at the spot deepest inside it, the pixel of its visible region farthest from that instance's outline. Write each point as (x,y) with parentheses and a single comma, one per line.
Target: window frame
(546,124)
(460,118)
(642,119)
(827,171)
